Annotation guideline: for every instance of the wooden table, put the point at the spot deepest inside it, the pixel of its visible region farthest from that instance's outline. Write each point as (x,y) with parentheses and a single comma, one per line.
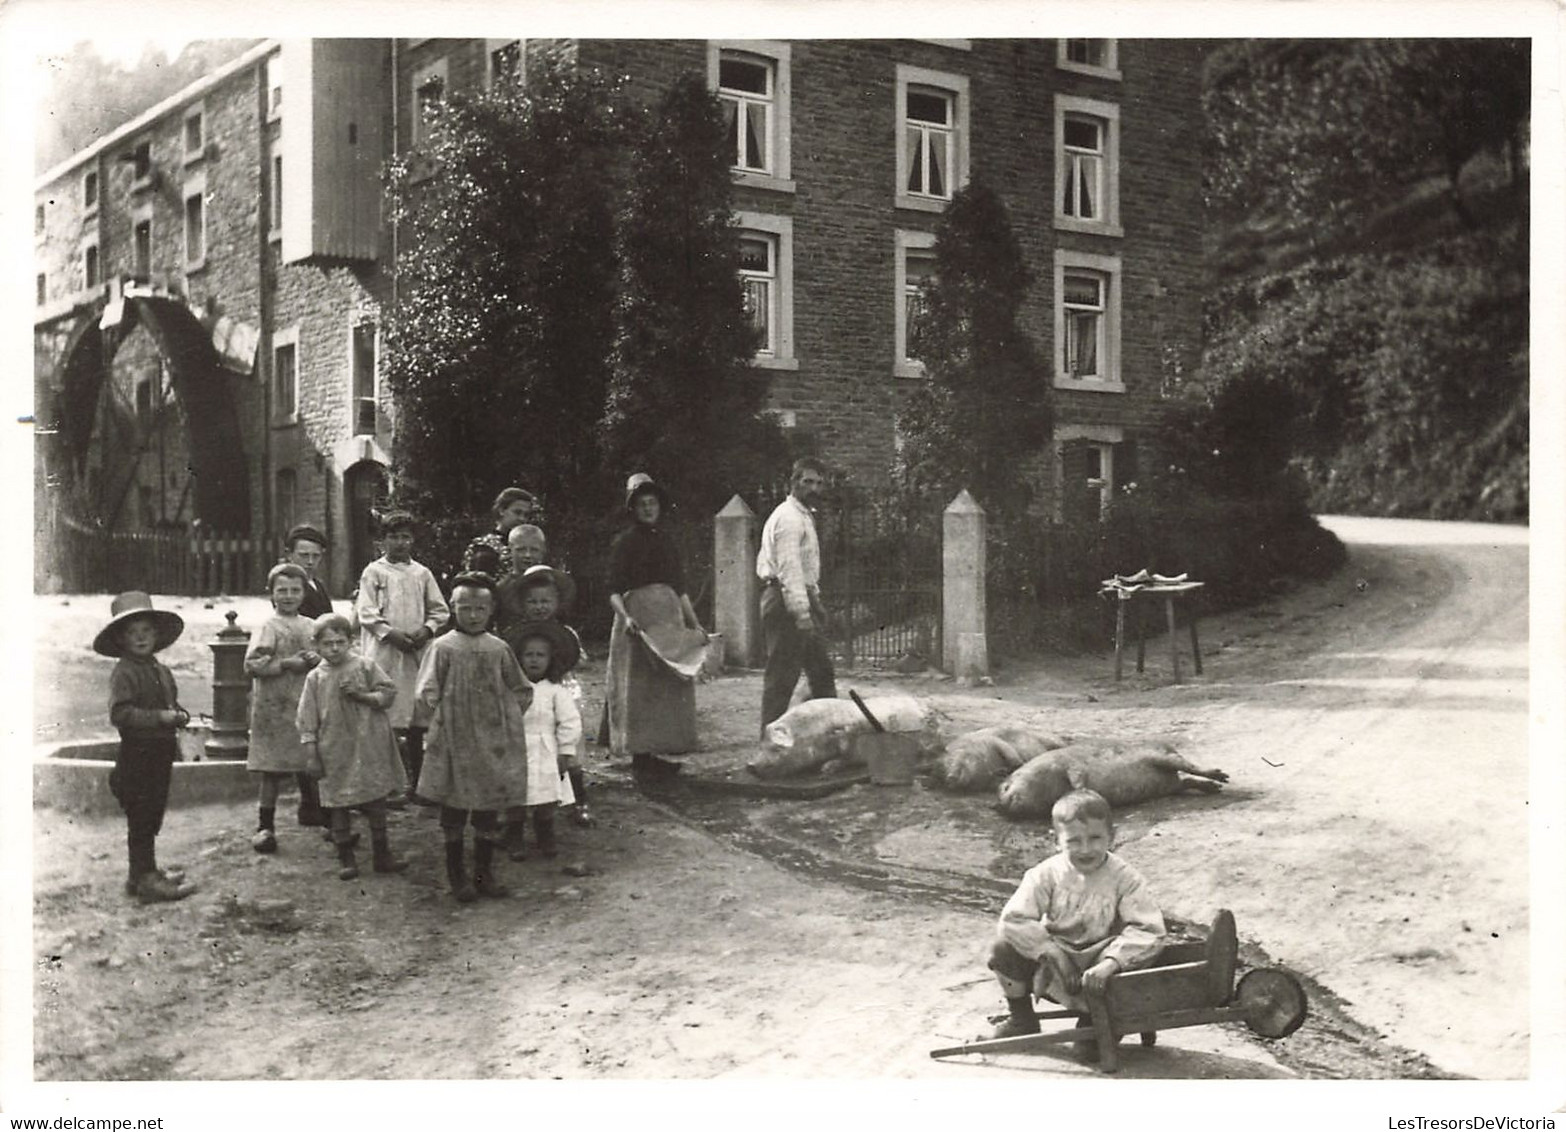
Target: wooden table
(1170,592)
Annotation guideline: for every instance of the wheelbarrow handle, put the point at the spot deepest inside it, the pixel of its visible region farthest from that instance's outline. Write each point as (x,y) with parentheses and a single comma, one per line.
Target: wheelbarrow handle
(860,704)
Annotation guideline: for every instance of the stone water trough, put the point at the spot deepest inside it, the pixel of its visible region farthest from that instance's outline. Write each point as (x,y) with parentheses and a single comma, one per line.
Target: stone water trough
(74,776)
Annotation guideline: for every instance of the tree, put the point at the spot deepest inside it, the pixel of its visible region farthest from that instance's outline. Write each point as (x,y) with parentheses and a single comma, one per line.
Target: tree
(498,351)
(985,409)
(684,400)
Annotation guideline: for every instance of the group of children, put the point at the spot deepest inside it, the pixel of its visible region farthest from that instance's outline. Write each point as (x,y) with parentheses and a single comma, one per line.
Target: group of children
(489,721)
(469,707)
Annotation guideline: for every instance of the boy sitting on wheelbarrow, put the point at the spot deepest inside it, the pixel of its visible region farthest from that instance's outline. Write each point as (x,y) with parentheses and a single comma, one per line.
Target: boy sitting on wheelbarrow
(1076,919)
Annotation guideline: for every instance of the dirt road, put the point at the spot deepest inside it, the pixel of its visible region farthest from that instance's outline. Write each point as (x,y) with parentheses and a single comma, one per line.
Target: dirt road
(1373,725)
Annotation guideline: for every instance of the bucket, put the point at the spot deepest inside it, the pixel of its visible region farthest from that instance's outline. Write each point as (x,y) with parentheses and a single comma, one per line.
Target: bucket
(890,755)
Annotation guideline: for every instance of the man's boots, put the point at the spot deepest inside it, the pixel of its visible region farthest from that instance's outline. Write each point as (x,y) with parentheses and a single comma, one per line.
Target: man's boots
(1023,1020)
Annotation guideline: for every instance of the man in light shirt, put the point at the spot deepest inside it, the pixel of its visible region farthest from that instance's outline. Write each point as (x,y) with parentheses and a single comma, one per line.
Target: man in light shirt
(792,617)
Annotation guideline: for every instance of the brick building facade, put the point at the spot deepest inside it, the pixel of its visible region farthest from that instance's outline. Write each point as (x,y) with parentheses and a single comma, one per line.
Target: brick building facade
(248,206)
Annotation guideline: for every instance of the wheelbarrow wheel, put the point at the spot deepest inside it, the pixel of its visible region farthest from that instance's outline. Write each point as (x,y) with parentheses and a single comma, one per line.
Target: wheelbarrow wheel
(1272,1001)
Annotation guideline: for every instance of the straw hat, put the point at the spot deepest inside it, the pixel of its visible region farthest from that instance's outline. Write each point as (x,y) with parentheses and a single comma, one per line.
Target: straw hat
(134,603)
(640,484)
(564,650)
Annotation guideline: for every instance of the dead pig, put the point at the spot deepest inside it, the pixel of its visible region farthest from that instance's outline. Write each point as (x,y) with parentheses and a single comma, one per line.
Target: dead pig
(1124,773)
(816,731)
(981,760)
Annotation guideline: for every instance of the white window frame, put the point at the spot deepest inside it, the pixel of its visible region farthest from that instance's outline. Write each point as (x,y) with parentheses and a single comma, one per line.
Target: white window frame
(781,228)
(195,189)
(90,208)
(289,336)
(1109,70)
(273,78)
(955,86)
(1108,116)
(422,75)
(355,321)
(1108,266)
(902,364)
(195,112)
(780,143)
(1102,437)
(493,45)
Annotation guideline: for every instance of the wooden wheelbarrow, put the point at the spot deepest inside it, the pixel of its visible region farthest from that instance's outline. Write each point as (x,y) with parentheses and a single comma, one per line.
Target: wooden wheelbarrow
(1190,984)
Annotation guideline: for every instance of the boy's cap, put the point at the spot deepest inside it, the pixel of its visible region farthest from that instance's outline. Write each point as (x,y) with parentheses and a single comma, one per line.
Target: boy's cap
(396,521)
(563,648)
(303,532)
(542,575)
(134,603)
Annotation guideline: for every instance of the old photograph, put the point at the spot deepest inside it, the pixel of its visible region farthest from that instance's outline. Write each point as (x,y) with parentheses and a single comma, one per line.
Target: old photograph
(805,556)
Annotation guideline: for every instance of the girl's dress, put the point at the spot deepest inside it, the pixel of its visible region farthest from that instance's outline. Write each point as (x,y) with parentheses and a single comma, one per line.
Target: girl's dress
(355,739)
(274,694)
(553,725)
(475,755)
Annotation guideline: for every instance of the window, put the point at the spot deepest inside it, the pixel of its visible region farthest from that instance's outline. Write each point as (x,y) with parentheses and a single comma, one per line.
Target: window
(285,502)
(1087,321)
(505,62)
(1087,165)
(753,83)
(195,225)
(285,376)
(42,282)
(142,241)
(758,270)
(274,86)
(275,199)
(195,134)
(429,88)
(1089,57)
(365,392)
(1087,470)
(40,219)
(932,137)
(90,190)
(90,266)
(914,268)
(766,270)
(140,158)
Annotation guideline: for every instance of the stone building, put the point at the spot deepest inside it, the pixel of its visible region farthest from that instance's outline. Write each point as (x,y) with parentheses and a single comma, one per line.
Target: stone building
(212,275)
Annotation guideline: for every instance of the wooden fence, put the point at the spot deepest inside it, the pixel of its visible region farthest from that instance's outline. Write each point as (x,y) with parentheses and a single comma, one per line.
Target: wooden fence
(194,561)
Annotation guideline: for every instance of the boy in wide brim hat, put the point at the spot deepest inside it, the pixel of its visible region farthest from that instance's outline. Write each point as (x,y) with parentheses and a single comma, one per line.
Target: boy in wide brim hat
(144,706)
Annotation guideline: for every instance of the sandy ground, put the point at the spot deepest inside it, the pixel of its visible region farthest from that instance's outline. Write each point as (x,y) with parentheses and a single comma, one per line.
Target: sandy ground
(700,935)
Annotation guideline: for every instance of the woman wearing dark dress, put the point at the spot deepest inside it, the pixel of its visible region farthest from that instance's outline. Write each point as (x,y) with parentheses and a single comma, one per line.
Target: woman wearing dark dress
(649,710)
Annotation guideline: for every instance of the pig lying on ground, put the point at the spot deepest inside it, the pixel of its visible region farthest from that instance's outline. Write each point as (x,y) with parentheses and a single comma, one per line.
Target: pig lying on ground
(1124,773)
(817,731)
(981,760)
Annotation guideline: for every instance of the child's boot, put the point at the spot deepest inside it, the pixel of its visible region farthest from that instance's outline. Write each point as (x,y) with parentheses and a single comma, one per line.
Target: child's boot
(381,847)
(485,882)
(516,837)
(461,887)
(310,812)
(345,858)
(544,830)
(265,840)
(1023,1019)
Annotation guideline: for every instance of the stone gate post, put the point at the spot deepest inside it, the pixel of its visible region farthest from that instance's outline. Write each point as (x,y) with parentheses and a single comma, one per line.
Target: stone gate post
(964,647)
(736,609)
